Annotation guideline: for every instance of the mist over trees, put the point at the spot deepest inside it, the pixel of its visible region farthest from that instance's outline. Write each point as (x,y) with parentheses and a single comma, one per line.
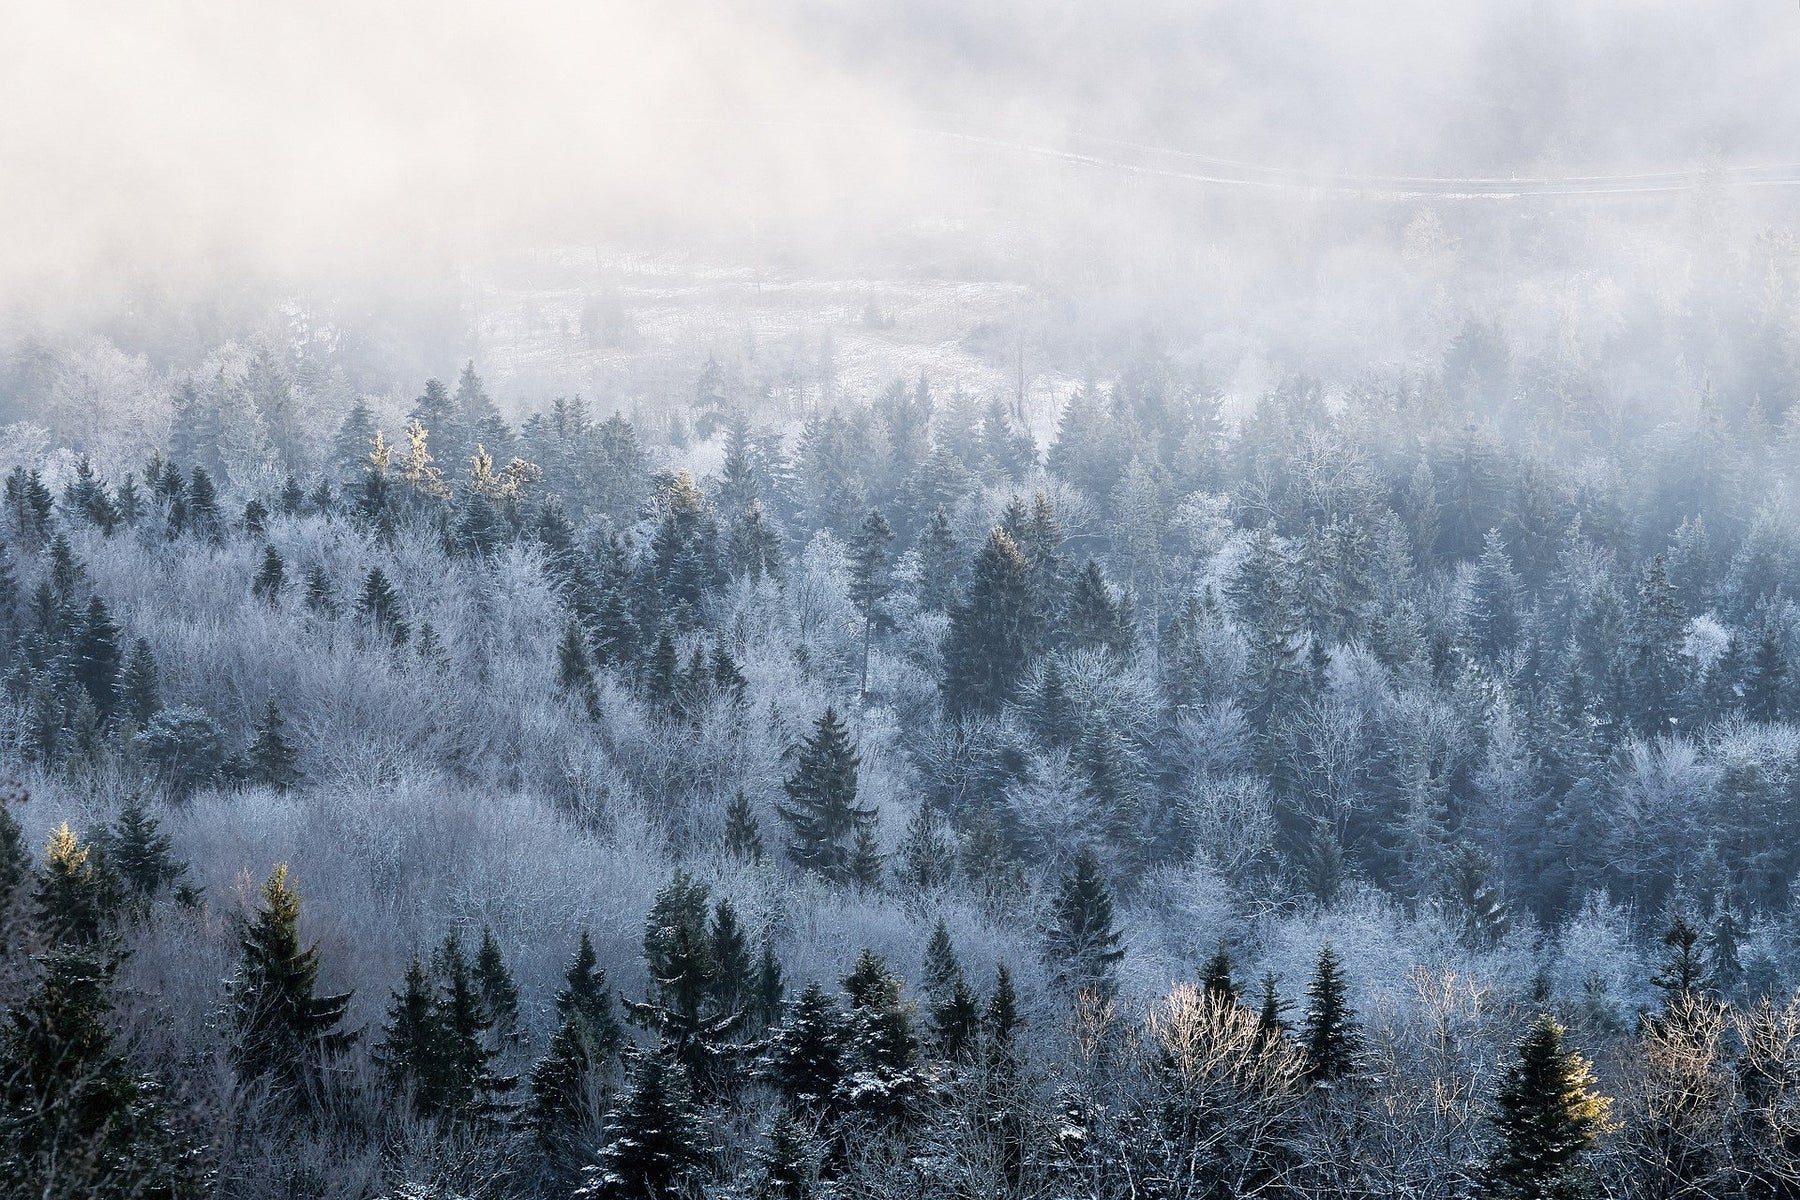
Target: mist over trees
(1379,787)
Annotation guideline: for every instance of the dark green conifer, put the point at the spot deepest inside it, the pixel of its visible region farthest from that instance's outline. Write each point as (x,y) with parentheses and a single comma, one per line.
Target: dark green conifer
(320,597)
(284,1033)
(141,855)
(806,1056)
(734,971)
(274,759)
(1548,1116)
(97,657)
(495,988)
(1084,949)
(822,813)
(654,1139)
(1215,977)
(743,836)
(1329,1034)
(574,669)
(76,894)
(994,633)
(379,605)
(270,576)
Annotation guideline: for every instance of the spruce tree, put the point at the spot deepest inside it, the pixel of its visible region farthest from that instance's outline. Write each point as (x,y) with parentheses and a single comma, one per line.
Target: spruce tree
(320,598)
(770,990)
(1329,1034)
(495,988)
(1094,619)
(1215,977)
(822,813)
(734,971)
(865,861)
(1002,1022)
(743,837)
(869,580)
(655,1142)
(15,863)
(1682,976)
(788,1170)
(141,855)
(575,669)
(97,657)
(284,1033)
(1083,945)
(273,758)
(75,1119)
(470,1087)
(270,576)
(1271,1026)
(379,605)
(883,1043)
(994,633)
(681,1009)
(407,1055)
(927,853)
(806,1056)
(203,515)
(568,1082)
(1548,1116)
(940,563)
(76,895)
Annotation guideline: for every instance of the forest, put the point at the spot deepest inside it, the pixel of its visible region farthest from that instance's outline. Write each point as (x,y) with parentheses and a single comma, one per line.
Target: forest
(1389,787)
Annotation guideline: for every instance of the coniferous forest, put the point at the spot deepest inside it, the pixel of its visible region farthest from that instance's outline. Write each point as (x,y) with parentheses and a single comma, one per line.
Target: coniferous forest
(1389,792)
(908,601)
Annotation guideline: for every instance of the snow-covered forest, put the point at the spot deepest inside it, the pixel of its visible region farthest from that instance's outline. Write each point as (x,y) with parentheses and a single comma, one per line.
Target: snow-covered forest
(837,602)
(1200,803)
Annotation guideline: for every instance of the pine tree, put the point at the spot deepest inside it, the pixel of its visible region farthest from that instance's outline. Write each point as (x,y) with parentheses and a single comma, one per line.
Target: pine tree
(654,1139)
(940,563)
(1548,1116)
(1271,1027)
(806,1057)
(1083,946)
(680,1009)
(743,837)
(274,759)
(270,576)
(822,813)
(994,633)
(1682,976)
(203,515)
(865,861)
(284,1033)
(883,1043)
(1329,1035)
(379,605)
(495,988)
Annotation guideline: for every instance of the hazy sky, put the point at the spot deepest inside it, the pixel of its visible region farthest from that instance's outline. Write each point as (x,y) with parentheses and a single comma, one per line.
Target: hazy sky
(179,139)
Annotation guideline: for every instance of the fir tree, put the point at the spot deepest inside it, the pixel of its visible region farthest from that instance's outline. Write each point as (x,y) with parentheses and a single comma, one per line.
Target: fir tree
(141,855)
(469,1089)
(494,987)
(1682,976)
(1094,619)
(97,658)
(993,633)
(865,861)
(681,1009)
(822,813)
(940,563)
(274,759)
(654,1139)
(75,1119)
(574,669)
(1271,1027)
(806,1057)
(869,580)
(1548,1116)
(1215,977)
(1002,1022)
(76,894)
(1329,1035)
(883,1042)
(1083,945)
(284,1033)
(743,836)
(567,1083)
(320,597)
(379,605)
(270,576)
(139,689)
(203,506)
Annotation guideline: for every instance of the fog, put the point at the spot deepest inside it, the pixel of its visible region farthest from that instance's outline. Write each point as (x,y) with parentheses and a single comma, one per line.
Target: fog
(1192,168)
